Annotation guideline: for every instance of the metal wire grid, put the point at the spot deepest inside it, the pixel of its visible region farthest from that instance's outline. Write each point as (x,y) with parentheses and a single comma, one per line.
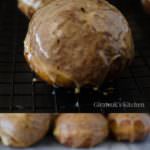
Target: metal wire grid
(19,92)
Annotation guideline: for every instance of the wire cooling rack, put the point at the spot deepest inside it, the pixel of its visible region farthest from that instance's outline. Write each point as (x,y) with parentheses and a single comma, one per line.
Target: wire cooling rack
(20,93)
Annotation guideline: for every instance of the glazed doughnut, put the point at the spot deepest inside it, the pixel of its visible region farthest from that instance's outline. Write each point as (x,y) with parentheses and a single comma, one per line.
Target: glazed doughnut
(129,127)
(23,130)
(81,130)
(29,7)
(78,43)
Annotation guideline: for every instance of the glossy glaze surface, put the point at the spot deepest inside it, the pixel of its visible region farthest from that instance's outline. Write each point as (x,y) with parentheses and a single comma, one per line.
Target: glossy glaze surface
(29,7)
(81,130)
(129,126)
(23,130)
(78,42)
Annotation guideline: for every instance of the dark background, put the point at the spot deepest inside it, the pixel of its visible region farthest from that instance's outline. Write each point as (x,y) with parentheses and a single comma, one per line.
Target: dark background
(19,94)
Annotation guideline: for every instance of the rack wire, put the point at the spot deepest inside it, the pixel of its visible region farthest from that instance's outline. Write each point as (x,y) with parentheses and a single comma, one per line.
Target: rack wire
(20,93)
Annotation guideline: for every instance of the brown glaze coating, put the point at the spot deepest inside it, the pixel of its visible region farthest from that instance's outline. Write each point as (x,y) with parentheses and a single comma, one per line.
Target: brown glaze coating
(81,130)
(129,127)
(29,7)
(146,4)
(78,43)
(23,130)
